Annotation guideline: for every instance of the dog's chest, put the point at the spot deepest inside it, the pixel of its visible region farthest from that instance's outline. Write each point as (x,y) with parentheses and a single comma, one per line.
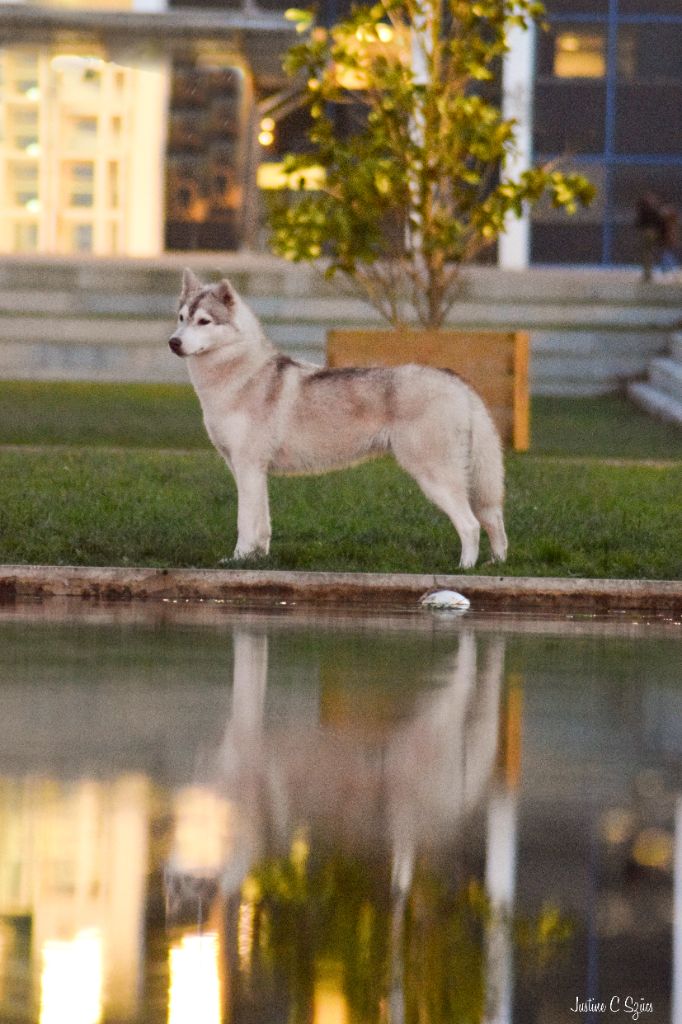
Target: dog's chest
(229,433)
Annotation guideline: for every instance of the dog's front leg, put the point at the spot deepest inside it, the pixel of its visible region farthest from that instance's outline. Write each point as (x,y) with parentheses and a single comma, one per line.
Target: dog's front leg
(253,512)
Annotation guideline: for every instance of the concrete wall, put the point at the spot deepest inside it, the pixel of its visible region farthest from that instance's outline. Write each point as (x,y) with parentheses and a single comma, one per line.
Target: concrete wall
(68,319)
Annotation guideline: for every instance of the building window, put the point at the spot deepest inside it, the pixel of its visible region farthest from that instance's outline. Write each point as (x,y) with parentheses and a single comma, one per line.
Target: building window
(579,53)
(608,102)
(80,184)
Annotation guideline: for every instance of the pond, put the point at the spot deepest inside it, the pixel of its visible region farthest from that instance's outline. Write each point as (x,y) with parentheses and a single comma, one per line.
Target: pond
(209,816)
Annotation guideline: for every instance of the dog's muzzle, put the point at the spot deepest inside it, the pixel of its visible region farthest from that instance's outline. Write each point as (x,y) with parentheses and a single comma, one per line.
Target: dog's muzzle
(175,345)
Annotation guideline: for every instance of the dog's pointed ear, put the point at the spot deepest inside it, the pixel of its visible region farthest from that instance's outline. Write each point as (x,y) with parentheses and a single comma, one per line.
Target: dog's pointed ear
(225,293)
(190,284)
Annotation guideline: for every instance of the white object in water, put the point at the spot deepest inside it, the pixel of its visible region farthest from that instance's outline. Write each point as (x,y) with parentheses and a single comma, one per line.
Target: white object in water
(447,599)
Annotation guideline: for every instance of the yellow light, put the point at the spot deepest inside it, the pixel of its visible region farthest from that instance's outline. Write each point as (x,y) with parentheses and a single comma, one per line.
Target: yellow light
(194,995)
(33,149)
(32,205)
(270,175)
(245,933)
(653,848)
(330,1004)
(203,824)
(71,979)
(385,33)
(569,43)
(267,124)
(353,79)
(266,138)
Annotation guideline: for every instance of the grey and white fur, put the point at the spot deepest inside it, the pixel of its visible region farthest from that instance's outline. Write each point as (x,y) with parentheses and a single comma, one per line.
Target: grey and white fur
(266,413)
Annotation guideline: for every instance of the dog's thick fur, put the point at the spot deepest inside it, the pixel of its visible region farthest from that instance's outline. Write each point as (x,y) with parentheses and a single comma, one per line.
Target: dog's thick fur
(266,413)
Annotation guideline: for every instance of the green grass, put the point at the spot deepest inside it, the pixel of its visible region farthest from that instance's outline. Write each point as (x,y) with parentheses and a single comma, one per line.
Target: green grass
(100,415)
(89,507)
(609,427)
(168,416)
(96,484)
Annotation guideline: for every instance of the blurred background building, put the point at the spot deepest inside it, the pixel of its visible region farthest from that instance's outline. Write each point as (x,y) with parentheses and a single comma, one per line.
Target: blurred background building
(132,128)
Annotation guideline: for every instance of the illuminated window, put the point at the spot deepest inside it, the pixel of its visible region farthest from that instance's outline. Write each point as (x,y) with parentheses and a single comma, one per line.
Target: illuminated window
(579,53)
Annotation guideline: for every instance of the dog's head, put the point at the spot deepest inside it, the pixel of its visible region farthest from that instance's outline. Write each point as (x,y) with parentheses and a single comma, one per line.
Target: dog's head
(207,317)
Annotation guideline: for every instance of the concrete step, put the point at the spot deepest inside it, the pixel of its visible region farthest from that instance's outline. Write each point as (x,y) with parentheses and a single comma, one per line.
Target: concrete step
(326,311)
(657,403)
(666,375)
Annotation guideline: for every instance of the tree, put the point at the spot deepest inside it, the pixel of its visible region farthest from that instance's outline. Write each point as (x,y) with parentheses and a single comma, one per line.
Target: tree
(418,187)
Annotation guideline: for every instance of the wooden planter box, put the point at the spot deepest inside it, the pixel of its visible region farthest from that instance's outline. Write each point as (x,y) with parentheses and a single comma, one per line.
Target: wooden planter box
(495,363)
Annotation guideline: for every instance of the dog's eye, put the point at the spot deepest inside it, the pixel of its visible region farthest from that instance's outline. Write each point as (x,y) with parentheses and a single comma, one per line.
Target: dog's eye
(181,317)
(203,322)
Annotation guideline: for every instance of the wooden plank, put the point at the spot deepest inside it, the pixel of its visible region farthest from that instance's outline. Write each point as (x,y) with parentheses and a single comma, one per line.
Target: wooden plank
(521,399)
(495,363)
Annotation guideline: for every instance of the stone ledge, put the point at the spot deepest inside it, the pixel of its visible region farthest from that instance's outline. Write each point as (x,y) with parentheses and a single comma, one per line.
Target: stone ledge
(255,588)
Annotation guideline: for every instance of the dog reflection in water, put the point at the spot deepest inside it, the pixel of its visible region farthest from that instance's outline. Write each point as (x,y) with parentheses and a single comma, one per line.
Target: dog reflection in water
(413,784)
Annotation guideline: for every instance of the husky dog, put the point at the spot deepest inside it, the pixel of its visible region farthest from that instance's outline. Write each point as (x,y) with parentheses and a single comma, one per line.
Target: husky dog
(266,413)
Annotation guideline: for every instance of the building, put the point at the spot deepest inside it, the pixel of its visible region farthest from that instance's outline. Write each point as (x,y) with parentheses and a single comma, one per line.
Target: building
(608,95)
(127,132)
(131,128)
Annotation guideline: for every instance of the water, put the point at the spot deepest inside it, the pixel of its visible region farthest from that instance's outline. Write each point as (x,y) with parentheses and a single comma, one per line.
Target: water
(423,819)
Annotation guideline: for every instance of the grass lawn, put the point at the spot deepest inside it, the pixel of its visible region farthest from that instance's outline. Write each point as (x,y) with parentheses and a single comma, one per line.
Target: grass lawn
(101,415)
(168,416)
(67,500)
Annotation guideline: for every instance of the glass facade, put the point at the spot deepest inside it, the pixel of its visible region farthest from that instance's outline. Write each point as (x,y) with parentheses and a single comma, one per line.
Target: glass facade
(205,154)
(608,103)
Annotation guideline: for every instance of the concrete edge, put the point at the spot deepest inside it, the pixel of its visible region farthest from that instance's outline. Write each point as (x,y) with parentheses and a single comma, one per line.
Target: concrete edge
(256,588)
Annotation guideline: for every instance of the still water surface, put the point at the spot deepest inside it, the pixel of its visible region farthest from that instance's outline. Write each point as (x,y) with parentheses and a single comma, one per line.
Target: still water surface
(211,817)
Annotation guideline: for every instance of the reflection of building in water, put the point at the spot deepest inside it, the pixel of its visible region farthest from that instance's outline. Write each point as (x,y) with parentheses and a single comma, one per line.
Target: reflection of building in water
(73,869)
(308,826)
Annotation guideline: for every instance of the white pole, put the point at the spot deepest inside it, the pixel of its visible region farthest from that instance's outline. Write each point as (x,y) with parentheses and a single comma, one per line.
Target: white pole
(517,102)
(500,884)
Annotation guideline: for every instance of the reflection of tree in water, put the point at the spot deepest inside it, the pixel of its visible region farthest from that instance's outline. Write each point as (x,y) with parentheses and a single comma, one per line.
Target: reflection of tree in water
(323,922)
(329,922)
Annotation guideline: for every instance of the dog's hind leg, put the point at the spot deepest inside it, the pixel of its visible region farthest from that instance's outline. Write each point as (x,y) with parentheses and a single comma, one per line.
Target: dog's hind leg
(456,506)
(492,521)
(442,477)
(253,512)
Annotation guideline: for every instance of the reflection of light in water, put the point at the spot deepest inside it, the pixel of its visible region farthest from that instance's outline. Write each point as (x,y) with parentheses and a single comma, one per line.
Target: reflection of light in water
(202,830)
(194,996)
(245,935)
(5,943)
(331,1006)
(71,979)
